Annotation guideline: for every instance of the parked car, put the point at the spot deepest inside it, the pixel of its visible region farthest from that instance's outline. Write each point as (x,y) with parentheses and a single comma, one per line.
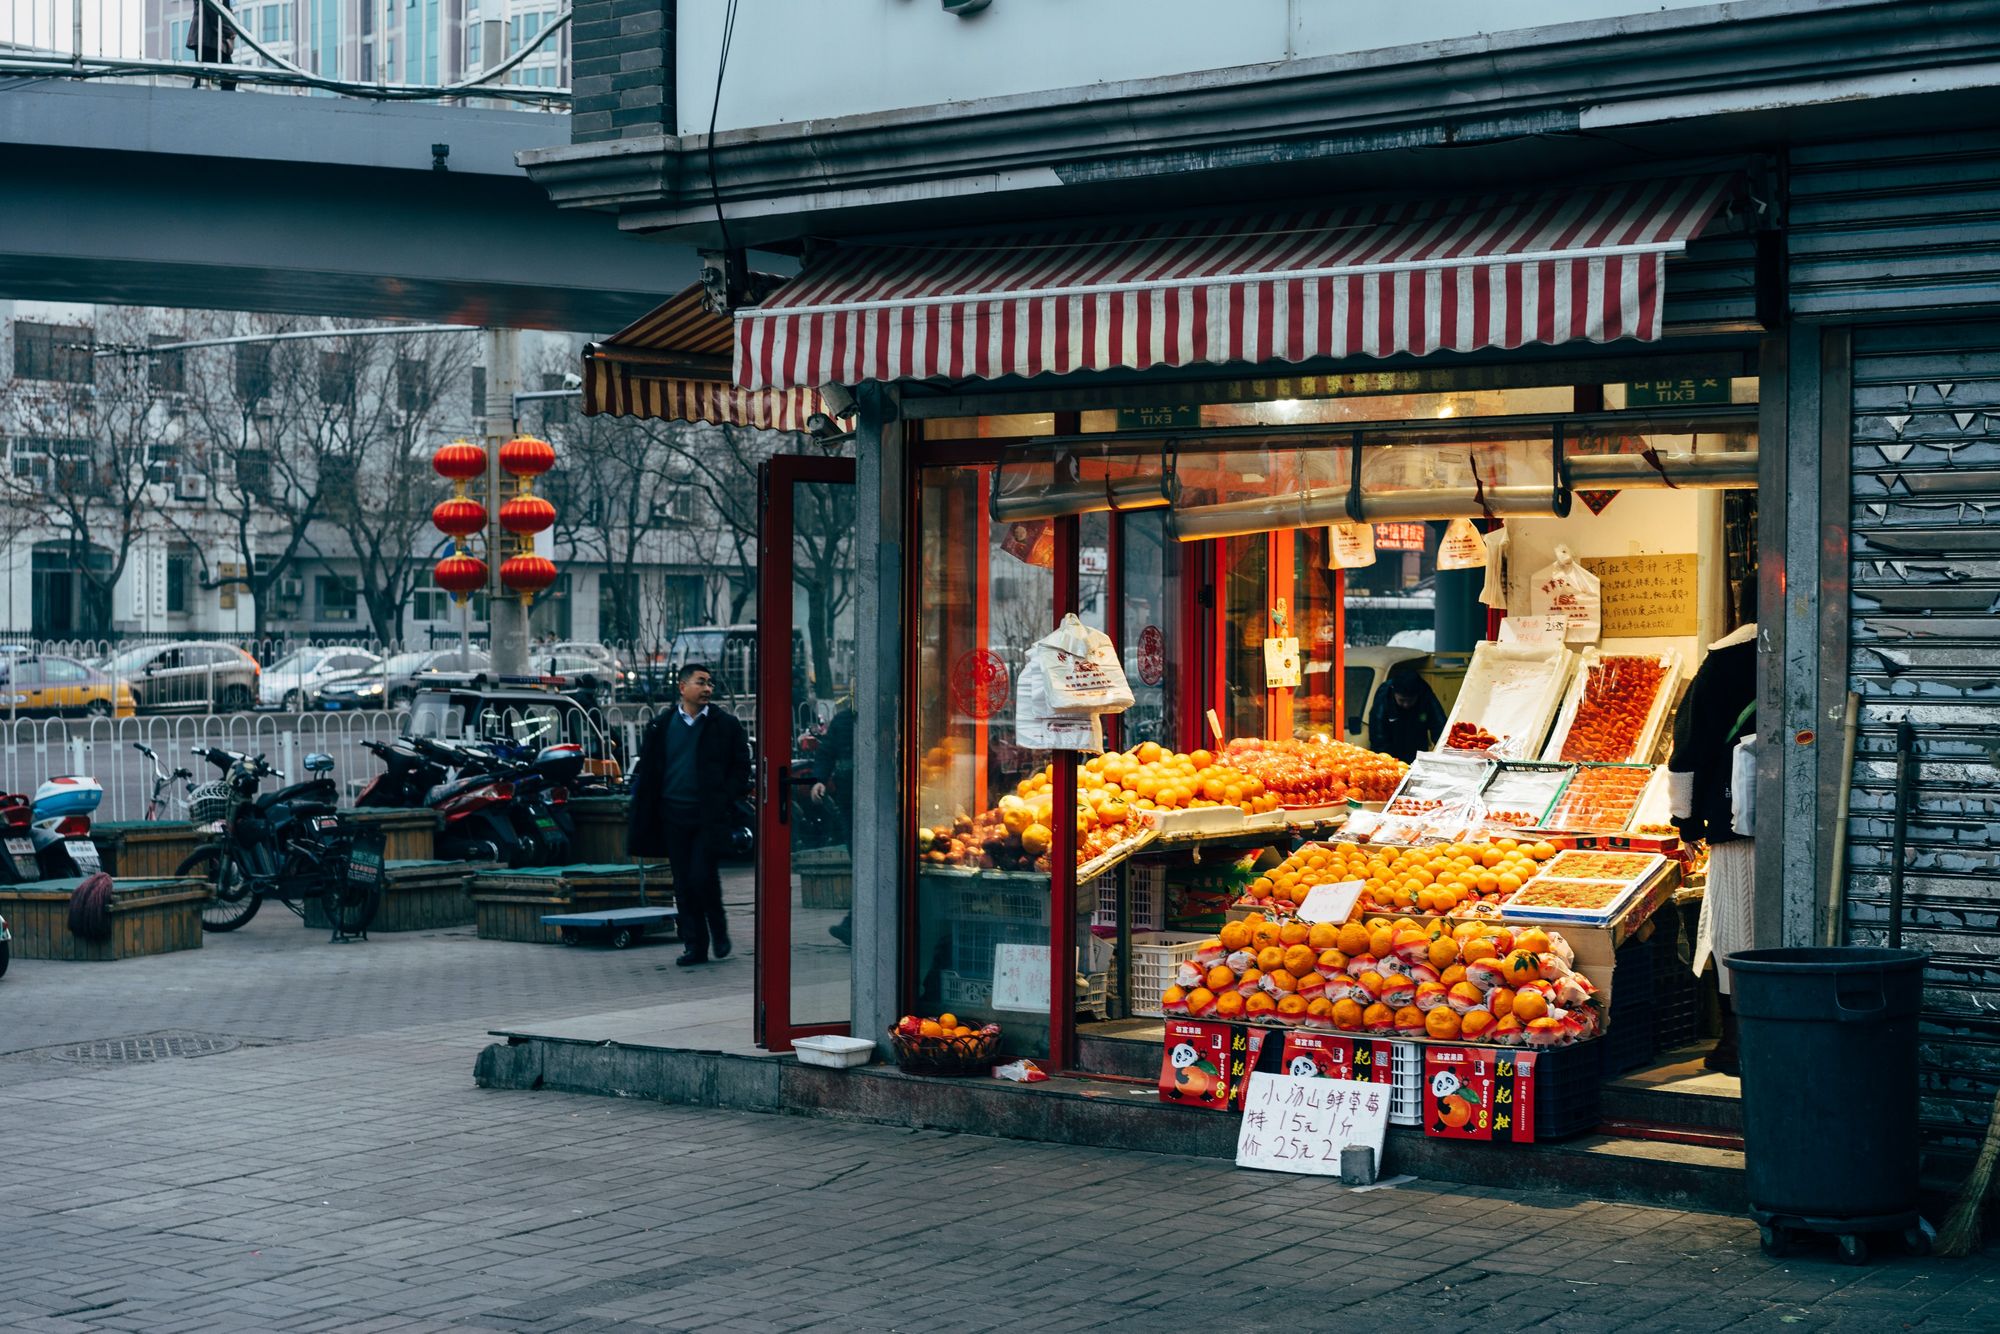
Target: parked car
(394,683)
(189,677)
(46,685)
(611,668)
(291,680)
(573,666)
(1368,668)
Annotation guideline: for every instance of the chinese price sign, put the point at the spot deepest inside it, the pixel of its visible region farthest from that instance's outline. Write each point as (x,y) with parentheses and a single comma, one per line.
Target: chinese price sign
(979,683)
(1208,1065)
(1399,537)
(1152,663)
(1330,1056)
(1479,1093)
(1301,1125)
(1646,595)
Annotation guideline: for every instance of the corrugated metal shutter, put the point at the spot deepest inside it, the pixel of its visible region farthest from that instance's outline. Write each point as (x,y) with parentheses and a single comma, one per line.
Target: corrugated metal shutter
(1891,226)
(1925,643)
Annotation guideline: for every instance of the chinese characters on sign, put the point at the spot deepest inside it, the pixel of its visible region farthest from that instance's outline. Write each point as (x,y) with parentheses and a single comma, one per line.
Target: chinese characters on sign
(1647,595)
(1293,1124)
(1330,1056)
(1399,537)
(1479,1093)
(1208,1065)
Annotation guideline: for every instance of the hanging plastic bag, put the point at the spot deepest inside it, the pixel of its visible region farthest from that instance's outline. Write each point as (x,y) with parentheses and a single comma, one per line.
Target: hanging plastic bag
(1566,589)
(1353,545)
(1463,547)
(1037,727)
(1081,670)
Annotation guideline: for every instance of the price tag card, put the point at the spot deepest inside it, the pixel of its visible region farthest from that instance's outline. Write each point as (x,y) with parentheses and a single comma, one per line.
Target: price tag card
(1021,978)
(1533,630)
(1301,1125)
(1330,903)
(1281,664)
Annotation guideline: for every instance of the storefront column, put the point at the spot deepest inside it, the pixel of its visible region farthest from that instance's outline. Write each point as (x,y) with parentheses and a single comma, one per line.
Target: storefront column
(880,504)
(1802,623)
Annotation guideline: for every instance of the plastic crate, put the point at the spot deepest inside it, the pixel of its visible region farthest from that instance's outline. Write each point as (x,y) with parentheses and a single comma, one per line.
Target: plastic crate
(1149,896)
(957,992)
(1406,1093)
(1156,957)
(1630,1042)
(1676,990)
(1568,1081)
(1093,996)
(973,940)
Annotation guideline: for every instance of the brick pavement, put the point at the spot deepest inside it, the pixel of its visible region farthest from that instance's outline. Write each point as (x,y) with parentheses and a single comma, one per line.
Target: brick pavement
(352,1178)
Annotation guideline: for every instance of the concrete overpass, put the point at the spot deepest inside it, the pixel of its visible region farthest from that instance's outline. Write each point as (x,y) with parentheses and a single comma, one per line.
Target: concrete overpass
(306,205)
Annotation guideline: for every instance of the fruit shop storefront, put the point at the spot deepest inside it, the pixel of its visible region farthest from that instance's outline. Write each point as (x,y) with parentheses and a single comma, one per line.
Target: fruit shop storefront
(1476,481)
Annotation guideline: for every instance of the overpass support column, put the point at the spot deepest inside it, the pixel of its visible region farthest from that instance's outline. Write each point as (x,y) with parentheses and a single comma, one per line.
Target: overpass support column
(507,646)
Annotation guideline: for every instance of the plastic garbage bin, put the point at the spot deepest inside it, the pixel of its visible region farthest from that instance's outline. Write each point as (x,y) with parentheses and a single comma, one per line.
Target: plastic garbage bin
(1829,1060)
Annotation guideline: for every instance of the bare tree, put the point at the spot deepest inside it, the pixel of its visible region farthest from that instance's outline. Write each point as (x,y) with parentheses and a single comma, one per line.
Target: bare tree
(79,426)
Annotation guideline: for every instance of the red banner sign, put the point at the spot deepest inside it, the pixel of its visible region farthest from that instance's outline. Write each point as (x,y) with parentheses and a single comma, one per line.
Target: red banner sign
(1330,1056)
(1208,1065)
(1400,537)
(1479,1093)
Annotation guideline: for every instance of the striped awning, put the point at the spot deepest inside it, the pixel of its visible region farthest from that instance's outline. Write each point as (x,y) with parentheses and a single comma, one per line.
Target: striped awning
(1365,280)
(673,365)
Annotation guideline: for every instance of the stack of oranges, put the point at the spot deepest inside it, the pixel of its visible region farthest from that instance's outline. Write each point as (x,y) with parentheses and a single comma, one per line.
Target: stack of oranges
(1442,879)
(1315,773)
(1149,777)
(1470,981)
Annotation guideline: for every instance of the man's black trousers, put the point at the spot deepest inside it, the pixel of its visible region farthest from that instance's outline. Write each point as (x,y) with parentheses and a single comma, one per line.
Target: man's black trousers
(697,887)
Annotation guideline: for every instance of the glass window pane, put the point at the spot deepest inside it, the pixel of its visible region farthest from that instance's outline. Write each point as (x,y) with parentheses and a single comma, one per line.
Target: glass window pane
(1315,596)
(1147,584)
(983,884)
(1245,621)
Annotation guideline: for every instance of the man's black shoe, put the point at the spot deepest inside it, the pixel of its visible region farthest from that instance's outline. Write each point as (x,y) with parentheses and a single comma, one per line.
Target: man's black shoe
(689,960)
(722,947)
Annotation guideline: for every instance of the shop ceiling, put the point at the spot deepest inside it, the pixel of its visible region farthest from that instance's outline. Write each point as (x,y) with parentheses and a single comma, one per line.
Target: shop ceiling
(1726,82)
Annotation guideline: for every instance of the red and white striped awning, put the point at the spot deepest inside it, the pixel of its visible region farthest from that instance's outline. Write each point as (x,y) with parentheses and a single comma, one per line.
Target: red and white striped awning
(673,365)
(1367,280)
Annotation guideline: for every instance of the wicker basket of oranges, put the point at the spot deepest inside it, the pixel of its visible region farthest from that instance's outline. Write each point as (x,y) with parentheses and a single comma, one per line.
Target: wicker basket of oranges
(943,1046)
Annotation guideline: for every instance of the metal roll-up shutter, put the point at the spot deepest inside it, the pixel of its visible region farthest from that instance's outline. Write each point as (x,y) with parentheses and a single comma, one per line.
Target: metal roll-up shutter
(1925,644)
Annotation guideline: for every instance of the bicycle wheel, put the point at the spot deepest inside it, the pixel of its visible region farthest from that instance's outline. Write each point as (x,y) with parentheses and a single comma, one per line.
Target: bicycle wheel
(351,907)
(232,902)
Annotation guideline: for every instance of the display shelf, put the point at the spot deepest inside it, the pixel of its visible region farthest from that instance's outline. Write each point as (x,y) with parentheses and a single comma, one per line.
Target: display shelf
(1601,695)
(1529,788)
(1512,691)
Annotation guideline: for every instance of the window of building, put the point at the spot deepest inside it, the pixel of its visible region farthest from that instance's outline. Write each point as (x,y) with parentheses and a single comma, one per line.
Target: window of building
(253,371)
(74,470)
(336,598)
(675,505)
(30,459)
(336,377)
(167,371)
(434,605)
(180,578)
(412,375)
(253,472)
(163,464)
(479,391)
(53,352)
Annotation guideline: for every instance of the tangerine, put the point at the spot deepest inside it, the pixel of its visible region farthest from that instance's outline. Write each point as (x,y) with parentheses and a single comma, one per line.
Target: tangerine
(1441,1023)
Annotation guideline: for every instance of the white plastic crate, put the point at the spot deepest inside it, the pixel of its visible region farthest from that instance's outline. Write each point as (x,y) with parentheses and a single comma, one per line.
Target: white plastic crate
(1406,1094)
(965,993)
(1156,957)
(1149,897)
(1091,996)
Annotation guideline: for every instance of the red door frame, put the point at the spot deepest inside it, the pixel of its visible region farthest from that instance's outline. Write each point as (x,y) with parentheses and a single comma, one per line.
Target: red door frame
(773,1008)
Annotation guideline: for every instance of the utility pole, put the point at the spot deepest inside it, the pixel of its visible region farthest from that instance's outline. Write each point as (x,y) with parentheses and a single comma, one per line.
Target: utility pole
(507,645)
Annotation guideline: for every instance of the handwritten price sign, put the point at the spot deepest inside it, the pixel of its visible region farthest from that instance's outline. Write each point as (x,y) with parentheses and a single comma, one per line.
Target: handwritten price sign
(1301,1125)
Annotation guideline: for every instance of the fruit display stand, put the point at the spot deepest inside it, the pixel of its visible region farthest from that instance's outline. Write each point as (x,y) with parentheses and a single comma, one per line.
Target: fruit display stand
(148,916)
(138,849)
(1510,694)
(1615,708)
(1522,793)
(509,904)
(1601,798)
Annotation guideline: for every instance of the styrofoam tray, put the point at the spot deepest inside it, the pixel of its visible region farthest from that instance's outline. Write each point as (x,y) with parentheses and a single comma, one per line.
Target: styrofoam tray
(1200,820)
(833,1051)
(1656,717)
(1512,690)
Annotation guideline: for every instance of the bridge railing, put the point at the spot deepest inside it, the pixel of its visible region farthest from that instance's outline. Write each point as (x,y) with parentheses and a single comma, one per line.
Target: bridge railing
(275,47)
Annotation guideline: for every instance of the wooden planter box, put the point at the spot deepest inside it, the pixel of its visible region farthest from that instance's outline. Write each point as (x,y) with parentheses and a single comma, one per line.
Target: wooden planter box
(510,904)
(145,849)
(826,877)
(600,831)
(417,896)
(148,916)
(407,835)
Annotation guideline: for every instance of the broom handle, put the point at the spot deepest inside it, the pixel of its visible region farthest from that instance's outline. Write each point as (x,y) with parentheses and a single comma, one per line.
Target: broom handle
(1836,889)
(1906,744)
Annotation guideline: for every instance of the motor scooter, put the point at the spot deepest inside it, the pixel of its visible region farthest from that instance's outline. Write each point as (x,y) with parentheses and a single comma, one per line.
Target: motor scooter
(18,862)
(61,828)
(407,780)
(478,826)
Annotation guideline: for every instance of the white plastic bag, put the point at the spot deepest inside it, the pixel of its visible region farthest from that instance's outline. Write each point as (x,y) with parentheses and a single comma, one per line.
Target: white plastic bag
(1743,787)
(1566,589)
(1081,670)
(1353,545)
(1037,727)
(1463,547)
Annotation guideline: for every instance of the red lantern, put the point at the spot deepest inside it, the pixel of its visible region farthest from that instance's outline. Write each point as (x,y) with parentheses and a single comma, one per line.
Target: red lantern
(527,514)
(460,575)
(526,456)
(528,575)
(460,516)
(460,461)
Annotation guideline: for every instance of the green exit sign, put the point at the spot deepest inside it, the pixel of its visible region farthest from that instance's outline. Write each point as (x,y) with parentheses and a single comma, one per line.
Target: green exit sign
(1675,393)
(1158,419)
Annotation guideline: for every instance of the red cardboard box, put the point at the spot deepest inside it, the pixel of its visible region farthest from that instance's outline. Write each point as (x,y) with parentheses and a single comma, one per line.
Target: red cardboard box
(1479,1093)
(1208,1065)
(1338,1056)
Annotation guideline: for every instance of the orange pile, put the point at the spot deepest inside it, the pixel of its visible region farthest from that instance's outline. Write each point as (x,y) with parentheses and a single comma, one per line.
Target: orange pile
(1442,879)
(944,1026)
(1317,773)
(1618,695)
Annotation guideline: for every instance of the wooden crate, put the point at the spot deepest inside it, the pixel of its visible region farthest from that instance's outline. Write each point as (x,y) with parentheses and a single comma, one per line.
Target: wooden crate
(145,849)
(510,904)
(600,830)
(148,916)
(417,896)
(826,877)
(407,835)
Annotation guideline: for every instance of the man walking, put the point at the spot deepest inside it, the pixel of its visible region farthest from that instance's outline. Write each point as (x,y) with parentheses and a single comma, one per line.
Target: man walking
(693,765)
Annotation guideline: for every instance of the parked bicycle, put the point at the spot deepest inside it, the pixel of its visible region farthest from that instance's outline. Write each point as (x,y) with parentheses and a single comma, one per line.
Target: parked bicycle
(289,844)
(162,795)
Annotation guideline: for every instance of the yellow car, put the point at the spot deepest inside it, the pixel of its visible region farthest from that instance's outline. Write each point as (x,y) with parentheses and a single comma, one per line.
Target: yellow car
(48,686)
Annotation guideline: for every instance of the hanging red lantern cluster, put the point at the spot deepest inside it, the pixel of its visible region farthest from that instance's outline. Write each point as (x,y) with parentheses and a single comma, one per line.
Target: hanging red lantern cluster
(525,458)
(459,462)
(460,574)
(526,515)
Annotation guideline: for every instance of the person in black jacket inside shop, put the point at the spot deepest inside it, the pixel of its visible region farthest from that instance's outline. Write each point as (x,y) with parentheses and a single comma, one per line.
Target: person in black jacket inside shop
(1407,717)
(693,766)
